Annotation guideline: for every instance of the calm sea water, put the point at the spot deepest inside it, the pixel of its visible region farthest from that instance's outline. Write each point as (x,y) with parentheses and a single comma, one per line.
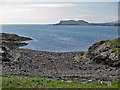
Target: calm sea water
(62,38)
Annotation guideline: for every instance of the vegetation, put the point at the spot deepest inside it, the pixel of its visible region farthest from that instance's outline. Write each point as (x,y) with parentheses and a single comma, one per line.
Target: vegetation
(115,44)
(82,22)
(41,83)
(73,22)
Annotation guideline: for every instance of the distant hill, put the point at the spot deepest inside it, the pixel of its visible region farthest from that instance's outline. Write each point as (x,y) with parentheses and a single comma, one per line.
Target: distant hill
(115,22)
(73,22)
(82,22)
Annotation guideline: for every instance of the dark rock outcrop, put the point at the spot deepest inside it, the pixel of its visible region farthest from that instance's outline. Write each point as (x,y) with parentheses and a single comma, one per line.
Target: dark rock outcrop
(9,44)
(13,37)
(102,52)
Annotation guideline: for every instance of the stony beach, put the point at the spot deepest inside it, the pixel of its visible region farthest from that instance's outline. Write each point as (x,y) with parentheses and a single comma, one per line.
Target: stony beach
(74,66)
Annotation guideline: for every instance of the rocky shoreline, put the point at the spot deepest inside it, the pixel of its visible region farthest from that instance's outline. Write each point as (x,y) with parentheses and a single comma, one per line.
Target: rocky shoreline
(68,65)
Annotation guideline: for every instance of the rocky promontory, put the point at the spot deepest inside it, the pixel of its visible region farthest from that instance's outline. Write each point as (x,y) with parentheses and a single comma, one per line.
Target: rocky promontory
(105,52)
(72,65)
(11,42)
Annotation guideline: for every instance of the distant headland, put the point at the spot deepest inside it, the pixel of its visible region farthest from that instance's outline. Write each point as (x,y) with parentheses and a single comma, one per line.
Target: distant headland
(73,22)
(82,22)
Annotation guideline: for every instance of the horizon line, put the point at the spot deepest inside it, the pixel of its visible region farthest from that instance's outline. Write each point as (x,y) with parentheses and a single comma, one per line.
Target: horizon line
(57,22)
(23,23)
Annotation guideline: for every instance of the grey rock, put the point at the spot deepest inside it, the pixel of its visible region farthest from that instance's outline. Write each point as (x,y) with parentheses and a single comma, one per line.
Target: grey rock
(102,52)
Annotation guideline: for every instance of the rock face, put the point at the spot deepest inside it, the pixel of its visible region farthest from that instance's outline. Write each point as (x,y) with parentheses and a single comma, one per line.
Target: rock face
(13,37)
(9,44)
(102,52)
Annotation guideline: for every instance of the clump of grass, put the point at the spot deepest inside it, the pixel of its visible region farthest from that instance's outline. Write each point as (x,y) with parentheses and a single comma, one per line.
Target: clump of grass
(41,83)
(115,44)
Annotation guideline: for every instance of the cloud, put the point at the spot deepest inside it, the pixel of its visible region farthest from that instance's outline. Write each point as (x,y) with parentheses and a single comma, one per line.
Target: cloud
(52,5)
(49,13)
(59,0)
(17,10)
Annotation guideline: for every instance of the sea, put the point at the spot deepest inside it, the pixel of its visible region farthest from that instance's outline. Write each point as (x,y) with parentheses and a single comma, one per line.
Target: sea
(62,38)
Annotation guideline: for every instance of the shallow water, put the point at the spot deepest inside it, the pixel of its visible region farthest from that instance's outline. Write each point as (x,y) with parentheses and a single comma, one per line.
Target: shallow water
(62,38)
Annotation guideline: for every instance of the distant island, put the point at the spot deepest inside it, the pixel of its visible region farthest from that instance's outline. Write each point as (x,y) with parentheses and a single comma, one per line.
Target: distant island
(82,22)
(73,22)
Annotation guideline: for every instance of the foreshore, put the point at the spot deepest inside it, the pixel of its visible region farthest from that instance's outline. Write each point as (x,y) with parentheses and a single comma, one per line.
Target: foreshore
(74,66)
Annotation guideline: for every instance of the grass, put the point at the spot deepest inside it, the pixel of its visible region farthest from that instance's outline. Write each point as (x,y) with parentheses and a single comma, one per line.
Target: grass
(41,83)
(115,43)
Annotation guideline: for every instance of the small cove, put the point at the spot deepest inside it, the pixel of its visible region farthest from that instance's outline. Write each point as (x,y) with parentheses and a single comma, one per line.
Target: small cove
(62,38)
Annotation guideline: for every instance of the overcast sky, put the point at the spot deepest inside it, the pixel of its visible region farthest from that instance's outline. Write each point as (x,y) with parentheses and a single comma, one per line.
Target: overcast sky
(52,12)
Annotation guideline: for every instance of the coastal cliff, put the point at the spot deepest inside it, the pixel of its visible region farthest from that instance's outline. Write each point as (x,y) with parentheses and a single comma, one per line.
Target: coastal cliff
(105,52)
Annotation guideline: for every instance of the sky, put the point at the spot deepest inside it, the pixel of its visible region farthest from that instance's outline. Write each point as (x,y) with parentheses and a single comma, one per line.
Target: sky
(36,12)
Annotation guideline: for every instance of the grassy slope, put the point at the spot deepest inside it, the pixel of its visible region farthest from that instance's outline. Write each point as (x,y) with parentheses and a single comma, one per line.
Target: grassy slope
(115,43)
(41,83)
